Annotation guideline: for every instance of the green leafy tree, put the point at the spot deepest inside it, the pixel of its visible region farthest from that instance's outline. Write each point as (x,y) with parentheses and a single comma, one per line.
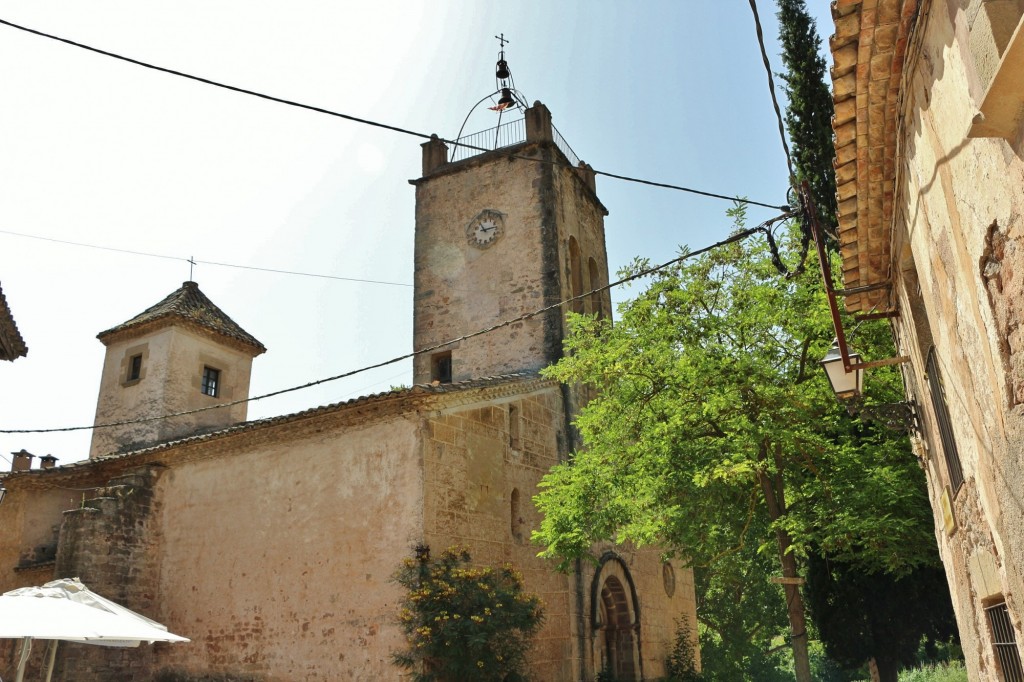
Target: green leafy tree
(464,622)
(714,432)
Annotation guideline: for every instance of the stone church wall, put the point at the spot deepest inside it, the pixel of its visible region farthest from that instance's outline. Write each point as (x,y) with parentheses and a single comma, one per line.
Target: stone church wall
(475,466)
(482,465)
(277,559)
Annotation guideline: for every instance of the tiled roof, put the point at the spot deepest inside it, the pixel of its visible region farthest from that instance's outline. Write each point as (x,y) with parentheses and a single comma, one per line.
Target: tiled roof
(191,305)
(868,51)
(11,344)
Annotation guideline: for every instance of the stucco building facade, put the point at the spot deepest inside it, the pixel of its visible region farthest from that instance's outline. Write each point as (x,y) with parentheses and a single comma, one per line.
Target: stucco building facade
(930,175)
(271,543)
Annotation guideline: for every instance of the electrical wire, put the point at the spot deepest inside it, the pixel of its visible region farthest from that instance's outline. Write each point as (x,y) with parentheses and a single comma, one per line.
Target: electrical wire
(204,262)
(771,89)
(738,236)
(377,124)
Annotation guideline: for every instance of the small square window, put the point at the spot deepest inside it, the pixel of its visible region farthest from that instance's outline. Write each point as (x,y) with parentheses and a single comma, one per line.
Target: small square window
(211,381)
(441,368)
(135,368)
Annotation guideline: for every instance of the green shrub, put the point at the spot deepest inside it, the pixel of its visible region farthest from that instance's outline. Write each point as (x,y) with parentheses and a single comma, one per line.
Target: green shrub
(953,671)
(682,662)
(464,622)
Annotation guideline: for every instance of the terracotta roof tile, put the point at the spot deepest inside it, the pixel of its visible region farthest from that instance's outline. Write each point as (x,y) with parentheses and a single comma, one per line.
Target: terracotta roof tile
(191,305)
(11,344)
(868,48)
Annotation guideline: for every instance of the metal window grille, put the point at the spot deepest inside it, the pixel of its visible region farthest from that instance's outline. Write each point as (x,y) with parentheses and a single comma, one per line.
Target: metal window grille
(211,381)
(956,472)
(1004,641)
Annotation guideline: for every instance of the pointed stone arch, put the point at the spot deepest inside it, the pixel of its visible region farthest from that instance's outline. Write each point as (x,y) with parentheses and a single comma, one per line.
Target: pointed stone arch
(615,620)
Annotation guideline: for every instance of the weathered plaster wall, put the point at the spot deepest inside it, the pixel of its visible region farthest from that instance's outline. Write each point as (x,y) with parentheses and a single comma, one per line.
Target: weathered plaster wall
(173,359)
(277,558)
(959,229)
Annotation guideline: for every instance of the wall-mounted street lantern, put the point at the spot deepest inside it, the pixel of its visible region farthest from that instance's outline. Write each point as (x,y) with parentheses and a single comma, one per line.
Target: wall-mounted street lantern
(849,389)
(3,492)
(847,385)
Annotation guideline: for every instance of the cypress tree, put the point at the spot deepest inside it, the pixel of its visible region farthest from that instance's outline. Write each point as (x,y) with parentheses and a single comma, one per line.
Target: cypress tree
(810,110)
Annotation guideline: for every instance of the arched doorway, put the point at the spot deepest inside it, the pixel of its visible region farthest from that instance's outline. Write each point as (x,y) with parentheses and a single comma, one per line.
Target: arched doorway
(618,630)
(616,622)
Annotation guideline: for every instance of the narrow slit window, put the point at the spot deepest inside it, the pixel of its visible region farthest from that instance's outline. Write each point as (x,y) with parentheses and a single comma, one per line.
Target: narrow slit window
(517,516)
(211,381)
(441,368)
(513,427)
(135,368)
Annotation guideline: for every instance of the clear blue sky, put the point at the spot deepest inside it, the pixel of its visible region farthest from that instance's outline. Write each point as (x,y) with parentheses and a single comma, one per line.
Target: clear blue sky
(98,151)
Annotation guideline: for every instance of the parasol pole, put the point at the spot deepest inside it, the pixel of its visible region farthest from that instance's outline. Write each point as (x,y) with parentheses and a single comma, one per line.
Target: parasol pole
(26,649)
(51,658)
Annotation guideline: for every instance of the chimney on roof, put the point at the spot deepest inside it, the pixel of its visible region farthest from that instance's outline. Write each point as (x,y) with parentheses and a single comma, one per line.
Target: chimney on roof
(22,460)
(47,461)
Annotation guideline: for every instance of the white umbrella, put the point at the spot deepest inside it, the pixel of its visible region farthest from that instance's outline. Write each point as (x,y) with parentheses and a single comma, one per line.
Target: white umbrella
(68,610)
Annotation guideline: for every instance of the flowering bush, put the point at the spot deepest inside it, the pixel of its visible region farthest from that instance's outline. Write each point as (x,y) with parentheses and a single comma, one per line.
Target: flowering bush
(464,622)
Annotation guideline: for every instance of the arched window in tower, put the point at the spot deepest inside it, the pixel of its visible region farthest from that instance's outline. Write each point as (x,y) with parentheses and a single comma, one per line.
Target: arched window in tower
(595,282)
(517,515)
(575,275)
(514,441)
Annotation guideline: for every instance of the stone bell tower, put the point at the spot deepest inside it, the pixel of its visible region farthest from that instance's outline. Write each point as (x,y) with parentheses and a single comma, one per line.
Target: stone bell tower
(501,234)
(180,355)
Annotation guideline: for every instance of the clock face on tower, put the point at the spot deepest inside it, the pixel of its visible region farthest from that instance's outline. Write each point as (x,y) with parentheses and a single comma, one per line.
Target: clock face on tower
(485,229)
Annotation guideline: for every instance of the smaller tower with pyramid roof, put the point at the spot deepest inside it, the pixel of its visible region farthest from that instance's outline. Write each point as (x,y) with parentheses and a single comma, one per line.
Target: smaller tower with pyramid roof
(180,355)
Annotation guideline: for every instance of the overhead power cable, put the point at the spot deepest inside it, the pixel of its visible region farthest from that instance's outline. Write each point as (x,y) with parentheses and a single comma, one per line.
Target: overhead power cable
(376,124)
(738,236)
(204,262)
(771,89)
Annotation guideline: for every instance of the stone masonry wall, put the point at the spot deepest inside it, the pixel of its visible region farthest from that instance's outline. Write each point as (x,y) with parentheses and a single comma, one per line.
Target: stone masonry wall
(481,473)
(461,288)
(112,544)
(959,230)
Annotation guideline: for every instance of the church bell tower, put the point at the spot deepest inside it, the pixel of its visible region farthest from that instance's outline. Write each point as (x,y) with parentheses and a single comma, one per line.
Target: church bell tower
(502,233)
